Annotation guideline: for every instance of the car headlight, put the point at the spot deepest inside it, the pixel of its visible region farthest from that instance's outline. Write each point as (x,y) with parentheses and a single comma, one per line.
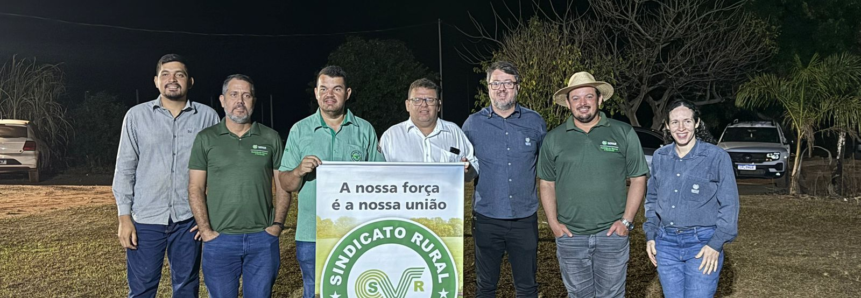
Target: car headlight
(772,156)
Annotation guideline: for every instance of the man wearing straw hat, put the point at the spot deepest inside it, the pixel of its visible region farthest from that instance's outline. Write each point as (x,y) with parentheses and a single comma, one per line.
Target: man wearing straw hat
(583,166)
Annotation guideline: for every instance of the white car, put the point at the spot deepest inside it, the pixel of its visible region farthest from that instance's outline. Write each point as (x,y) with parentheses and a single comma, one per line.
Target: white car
(758,149)
(18,151)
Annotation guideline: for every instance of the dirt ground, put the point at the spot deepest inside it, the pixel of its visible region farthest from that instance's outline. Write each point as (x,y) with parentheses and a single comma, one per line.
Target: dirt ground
(21,200)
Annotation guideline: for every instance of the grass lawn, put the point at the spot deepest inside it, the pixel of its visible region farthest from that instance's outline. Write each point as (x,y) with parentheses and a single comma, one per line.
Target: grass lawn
(786,248)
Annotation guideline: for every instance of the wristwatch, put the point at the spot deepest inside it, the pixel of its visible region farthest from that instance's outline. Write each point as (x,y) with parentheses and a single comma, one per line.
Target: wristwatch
(280,225)
(628,224)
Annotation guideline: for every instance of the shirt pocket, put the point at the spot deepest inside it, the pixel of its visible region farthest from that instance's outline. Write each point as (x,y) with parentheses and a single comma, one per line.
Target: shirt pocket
(446,156)
(698,188)
(356,152)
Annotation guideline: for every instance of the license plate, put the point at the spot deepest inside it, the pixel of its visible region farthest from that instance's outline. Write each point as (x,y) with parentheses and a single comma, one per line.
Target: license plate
(2,161)
(747,167)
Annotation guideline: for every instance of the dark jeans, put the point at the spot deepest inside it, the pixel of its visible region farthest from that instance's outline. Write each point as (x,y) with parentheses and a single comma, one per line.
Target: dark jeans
(494,237)
(593,265)
(677,267)
(255,257)
(183,255)
(306,254)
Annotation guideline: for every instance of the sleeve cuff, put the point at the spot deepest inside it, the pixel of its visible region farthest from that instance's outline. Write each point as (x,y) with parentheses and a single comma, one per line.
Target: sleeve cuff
(124,209)
(716,243)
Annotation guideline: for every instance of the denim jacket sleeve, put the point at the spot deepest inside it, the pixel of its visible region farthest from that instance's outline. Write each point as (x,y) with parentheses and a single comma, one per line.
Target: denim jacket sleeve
(727,195)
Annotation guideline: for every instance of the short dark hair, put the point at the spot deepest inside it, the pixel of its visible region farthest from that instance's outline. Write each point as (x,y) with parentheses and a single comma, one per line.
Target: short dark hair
(240,77)
(505,67)
(334,71)
(172,58)
(423,83)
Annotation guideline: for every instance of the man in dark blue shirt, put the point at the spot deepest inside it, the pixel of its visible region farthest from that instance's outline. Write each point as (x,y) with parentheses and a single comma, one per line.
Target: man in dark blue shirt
(506,137)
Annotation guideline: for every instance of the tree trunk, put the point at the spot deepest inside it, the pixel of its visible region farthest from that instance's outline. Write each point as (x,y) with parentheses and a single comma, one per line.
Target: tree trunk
(837,175)
(632,116)
(658,120)
(796,170)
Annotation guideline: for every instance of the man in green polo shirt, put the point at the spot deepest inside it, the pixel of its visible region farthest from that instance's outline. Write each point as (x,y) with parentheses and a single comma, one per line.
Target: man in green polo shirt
(583,165)
(333,133)
(230,191)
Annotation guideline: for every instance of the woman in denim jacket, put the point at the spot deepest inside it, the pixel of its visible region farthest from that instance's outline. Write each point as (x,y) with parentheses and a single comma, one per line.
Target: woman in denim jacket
(691,207)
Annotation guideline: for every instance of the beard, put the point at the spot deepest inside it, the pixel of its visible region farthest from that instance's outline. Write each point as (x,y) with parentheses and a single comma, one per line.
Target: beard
(173,95)
(586,118)
(504,106)
(238,119)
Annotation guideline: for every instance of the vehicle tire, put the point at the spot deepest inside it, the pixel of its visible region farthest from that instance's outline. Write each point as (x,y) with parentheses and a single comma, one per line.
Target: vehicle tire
(34,176)
(782,183)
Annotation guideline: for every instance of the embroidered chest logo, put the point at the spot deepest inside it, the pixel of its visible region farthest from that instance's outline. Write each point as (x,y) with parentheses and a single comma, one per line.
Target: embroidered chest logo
(528,142)
(608,146)
(356,155)
(695,189)
(259,150)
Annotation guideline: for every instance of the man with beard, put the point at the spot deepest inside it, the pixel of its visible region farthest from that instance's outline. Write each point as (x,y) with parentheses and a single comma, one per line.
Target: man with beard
(230,189)
(424,137)
(151,180)
(333,133)
(583,166)
(506,137)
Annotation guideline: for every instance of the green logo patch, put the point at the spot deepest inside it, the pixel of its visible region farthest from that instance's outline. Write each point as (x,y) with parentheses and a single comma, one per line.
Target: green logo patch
(609,146)
(356,155)
(259,150)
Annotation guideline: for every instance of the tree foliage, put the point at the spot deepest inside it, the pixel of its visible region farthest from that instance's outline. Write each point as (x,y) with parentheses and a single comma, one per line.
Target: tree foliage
(810,95)
(653,51)
(546,55)
(29,91)
(96,121)
(380,73)
(823,27)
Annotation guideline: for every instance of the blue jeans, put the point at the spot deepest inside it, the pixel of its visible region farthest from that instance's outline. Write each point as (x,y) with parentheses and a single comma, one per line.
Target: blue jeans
(183,255)
(677,267)
(255,257)
(306,254)
(593,265)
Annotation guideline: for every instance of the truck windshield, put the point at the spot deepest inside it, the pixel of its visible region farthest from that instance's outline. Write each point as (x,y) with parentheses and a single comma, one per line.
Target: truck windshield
(751,134)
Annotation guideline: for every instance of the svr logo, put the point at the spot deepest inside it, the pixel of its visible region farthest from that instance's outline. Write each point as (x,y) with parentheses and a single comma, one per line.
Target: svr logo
(372,283)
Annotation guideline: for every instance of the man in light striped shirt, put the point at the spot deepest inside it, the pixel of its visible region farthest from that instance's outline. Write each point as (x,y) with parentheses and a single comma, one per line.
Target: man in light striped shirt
(151,183)
(424,137)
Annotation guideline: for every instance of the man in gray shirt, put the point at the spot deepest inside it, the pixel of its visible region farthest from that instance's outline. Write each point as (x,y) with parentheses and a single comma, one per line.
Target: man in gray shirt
(151,184)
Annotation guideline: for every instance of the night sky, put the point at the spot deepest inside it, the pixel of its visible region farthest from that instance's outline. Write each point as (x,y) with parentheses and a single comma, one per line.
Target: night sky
(119,61)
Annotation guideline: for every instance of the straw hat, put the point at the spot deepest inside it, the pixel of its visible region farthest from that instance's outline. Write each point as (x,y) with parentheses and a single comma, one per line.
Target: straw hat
(582,79)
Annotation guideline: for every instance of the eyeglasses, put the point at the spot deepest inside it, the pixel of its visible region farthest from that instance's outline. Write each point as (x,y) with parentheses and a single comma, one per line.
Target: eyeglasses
(431,101)
(497,85)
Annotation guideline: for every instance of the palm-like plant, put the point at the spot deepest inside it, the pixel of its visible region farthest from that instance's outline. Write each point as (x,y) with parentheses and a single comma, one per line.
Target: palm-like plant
(844,99)
(809,96)
(29,91)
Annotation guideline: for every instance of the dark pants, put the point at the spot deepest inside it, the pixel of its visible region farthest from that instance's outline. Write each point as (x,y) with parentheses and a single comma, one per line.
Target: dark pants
(183,254)
(254,257)
(494,237)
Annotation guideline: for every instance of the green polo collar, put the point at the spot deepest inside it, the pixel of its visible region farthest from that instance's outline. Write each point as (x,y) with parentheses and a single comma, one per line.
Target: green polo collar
(603,121)
(221,129)
(348,119)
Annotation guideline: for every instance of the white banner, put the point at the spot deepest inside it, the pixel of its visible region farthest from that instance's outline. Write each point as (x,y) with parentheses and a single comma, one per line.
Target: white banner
(389,230)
